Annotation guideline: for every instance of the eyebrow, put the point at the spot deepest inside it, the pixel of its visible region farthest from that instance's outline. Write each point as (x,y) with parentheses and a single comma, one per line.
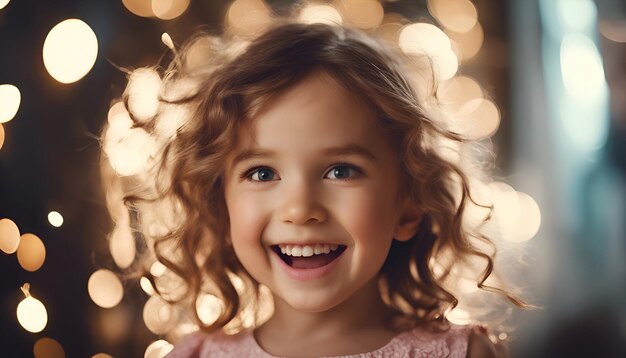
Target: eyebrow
(350,149)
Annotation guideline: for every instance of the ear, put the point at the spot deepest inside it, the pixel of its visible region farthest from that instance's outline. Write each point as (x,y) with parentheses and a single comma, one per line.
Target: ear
(409,222)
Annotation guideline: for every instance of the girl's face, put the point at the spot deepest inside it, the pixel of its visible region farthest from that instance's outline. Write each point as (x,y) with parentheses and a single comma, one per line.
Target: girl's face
(313,172)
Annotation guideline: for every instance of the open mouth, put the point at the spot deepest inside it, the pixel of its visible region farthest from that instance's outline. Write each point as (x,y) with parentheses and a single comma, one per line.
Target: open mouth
(308,257)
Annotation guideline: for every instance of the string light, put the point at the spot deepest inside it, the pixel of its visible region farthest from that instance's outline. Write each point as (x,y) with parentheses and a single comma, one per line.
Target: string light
(31,313)
(55,219)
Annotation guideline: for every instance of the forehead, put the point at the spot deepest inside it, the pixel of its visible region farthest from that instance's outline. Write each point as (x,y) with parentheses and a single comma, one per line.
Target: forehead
(318,110)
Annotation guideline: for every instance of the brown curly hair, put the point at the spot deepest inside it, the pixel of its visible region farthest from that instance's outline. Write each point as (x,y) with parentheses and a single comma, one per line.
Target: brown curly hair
(224,88)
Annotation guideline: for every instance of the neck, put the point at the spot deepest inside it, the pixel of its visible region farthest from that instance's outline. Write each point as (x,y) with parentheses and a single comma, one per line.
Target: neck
(364,312)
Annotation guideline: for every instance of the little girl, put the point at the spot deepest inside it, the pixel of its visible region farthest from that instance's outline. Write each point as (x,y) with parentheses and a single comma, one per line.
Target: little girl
(311,165)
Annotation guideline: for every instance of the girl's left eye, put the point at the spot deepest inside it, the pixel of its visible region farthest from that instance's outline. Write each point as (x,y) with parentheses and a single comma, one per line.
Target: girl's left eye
(261,174)
(342,172)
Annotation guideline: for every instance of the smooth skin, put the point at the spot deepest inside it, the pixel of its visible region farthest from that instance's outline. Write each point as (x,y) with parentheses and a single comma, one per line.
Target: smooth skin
(315,167)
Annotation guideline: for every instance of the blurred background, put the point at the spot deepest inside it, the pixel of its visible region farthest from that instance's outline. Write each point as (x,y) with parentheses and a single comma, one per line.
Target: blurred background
(544,79)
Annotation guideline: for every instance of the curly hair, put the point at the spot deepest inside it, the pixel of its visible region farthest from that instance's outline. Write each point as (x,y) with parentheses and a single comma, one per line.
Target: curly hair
(177,199)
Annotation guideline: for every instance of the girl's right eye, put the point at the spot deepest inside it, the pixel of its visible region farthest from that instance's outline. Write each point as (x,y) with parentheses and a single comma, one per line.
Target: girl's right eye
(261,174)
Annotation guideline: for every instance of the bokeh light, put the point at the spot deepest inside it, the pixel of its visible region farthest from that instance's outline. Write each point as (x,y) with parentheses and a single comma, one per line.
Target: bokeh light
(247,17)
(581,68)
(158,315)
(31,252)
(391,26)
(1,135)
(157,269)
(112,326)
(169,9)
(105,288)
(48,348)
(10,99)
(4,3)
(529,219)
(158,349)
(55,218)
(459,317)
(101,355)
(469,43)
(427,39)
(141,8)
(479,118)
(457,91)
(209,308)
(70,50)
(320,13)
(364,14)
(122,245)
(9,236)
(456,15)
(146,286)
(31,313)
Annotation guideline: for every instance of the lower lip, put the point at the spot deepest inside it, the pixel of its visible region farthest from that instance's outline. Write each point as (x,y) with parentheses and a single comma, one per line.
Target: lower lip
(308,274)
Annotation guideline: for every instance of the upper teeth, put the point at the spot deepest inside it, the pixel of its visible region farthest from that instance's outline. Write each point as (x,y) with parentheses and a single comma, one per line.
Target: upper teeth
(307,250)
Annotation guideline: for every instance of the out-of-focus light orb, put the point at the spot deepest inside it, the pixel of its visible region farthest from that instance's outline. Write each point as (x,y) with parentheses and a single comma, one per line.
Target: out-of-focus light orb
(480,118)
(70,50)
(427,39)
(144,86)
(146,286)
(101,355)
(1,135)
(247,17)
(613,30)
(391,26)
(457,91)
(456,15)
(364,14)
(506,209)
(55,218)
(114,325)
(529,219)
(48,348)
(141,8)
(31,253)
(31,313)
(502,336)
(158,349)
(4,3)
(577,15)
(157,269)
(158,315)
(169,9)
(209,308)
(322,14)
(459,317)
(9,236)
(131,155)
(468,43)
(122,245)
(105,288)
(10,99)
(581,68)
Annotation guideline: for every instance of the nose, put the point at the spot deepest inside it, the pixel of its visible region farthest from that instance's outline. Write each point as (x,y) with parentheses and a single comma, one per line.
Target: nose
(301,206)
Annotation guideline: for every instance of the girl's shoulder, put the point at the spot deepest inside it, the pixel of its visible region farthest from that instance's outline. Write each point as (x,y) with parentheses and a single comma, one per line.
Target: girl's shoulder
(418,342)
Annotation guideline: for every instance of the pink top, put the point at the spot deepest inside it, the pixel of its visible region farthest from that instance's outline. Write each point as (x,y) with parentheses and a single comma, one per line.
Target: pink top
(414,343)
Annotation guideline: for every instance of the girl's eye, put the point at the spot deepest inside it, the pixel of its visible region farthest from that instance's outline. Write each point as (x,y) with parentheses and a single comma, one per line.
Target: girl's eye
(342,172)
(261,174)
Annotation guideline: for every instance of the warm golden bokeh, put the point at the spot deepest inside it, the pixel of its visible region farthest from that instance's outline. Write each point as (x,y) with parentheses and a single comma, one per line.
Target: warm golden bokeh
(320,13)
(209,308)
(455,15)
(105,288)
(4,3)
(468,44)
(70,50)
(48,348)
(158,349)
(31,253)
(122,245)
(9,236)
(1,135)
(459,316)
(31,313)
(364,14)
(248,17)
(10,99)
(141,8)
(169,9)
(478,118)
(457,91)
(426,39)
(101,355)
(158,315)
(55,218)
